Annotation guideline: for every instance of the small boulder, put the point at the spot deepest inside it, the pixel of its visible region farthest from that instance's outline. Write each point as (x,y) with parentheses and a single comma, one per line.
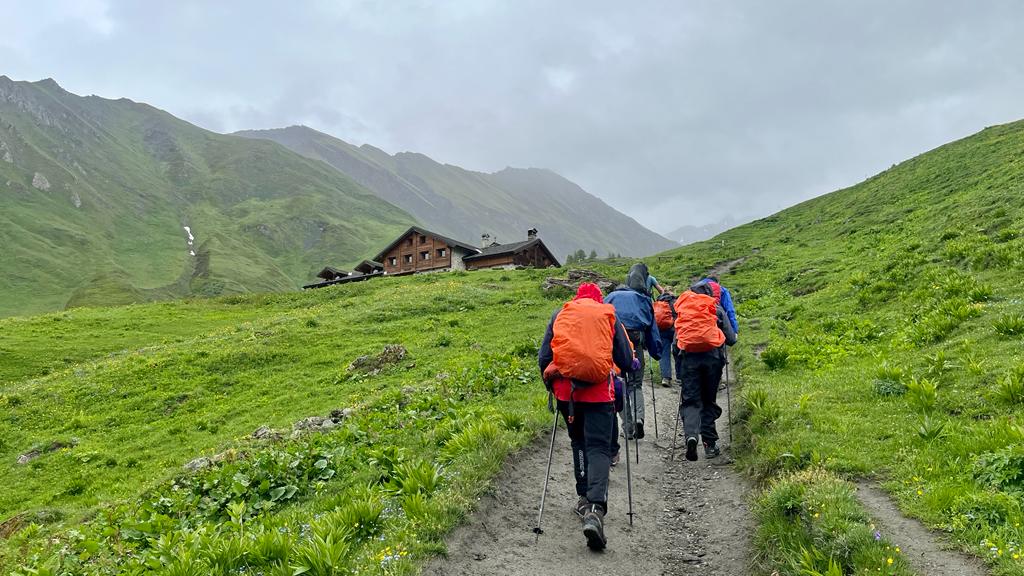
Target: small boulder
(391,354)
(40,182)
(198,464)
(266,433)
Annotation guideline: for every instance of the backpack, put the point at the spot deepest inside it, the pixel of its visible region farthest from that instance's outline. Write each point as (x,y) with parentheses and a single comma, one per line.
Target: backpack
(637,278)
(583,339)
(663,315)
(697,323)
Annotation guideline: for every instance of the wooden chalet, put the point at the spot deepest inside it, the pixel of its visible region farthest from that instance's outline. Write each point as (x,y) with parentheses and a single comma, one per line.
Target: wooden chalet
(530,252)
(420,250)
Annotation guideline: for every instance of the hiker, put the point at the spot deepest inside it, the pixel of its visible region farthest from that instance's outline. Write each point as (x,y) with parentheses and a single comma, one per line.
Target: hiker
(641,280)
(633,308)
(665,318)
(724,297)
(703,331)
(583,347)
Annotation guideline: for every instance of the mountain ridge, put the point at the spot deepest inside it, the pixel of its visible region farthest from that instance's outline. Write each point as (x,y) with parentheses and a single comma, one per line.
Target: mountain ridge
(96,194)
(465,203)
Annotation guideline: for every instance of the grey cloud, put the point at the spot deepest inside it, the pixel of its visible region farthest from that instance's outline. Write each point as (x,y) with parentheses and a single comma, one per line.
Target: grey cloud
(673,112)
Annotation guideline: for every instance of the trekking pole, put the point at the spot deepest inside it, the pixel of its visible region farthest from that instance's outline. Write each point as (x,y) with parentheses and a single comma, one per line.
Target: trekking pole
(654,400)
(728,396)
(675,432)
(547,475)
(629,478)
(636,415)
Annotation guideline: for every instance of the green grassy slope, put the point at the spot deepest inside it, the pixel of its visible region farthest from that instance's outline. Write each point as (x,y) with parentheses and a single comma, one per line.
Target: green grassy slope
(881,339)
(168,382)
(95,194)
(465,204)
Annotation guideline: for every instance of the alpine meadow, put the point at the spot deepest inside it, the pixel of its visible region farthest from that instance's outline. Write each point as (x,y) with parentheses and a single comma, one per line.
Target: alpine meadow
(347,430)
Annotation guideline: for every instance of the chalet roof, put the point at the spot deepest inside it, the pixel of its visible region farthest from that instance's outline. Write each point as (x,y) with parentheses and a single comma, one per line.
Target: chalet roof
(424,232)
(331,272)
(367,266)
(502,249)
(345,279)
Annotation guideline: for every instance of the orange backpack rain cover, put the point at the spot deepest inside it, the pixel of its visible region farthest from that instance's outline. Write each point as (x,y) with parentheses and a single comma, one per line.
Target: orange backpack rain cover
(582,340)
(662,314)
(696,323)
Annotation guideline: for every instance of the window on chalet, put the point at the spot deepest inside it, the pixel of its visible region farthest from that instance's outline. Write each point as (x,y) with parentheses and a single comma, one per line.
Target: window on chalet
(409,241)
(408,258)
(393,261)
(441,253)
(423,239)
(425,255)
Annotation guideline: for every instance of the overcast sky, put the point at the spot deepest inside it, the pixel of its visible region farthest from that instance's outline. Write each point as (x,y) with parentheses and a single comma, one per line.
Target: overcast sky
(674,112)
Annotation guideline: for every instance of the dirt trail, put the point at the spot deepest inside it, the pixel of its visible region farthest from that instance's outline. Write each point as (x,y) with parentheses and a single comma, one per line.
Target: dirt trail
(690,517)
(723,268)
(924,550)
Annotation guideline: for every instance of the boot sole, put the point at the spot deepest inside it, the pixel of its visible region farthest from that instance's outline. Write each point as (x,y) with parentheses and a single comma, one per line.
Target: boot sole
(691,450)
(595,540)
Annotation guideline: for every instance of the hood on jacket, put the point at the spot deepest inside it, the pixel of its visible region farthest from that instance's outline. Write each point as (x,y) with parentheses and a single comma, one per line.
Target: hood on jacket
(589,290)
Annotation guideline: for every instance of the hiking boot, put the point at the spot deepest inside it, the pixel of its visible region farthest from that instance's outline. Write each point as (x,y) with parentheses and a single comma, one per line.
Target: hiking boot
(691,449)
(593,528)
(639,430)
(666,382)
(615,459)
(581,506)
(711,450)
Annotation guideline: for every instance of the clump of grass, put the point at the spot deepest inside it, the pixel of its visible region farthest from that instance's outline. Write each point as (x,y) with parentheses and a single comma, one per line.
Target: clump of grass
(775,356)
(811,524)
(889,380)
(1011,388)
(930,429)
(922,394)
(1010,325)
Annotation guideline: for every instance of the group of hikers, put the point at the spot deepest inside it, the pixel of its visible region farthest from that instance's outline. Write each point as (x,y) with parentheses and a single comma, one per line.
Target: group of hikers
(592,362)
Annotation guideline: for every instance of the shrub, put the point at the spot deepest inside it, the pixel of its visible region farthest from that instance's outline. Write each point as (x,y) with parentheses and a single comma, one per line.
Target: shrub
(1010,325)
(1002,469)
(415,477)
(775,357)
(889,380)
(922,394)
(1011,388)
(930,430)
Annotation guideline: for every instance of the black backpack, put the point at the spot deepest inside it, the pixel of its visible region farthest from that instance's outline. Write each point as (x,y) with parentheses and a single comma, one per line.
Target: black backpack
(637,278)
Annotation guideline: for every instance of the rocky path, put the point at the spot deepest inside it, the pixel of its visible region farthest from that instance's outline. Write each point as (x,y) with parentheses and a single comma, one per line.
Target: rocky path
(690,517)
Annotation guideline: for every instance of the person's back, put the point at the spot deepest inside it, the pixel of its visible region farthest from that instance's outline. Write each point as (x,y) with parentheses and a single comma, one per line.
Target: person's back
(702,331)
(635,311)
(582,347)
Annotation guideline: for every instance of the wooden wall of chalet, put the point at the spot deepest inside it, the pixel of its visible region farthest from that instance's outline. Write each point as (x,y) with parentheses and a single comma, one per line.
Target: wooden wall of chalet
(532,256)
(414,245)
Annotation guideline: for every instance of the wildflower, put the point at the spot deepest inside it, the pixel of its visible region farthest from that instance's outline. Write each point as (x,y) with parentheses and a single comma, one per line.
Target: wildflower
(878,536)
(889,560)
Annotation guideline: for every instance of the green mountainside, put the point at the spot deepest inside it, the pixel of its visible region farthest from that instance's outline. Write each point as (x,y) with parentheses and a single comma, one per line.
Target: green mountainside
(95,195)
(882,341)
(464,204)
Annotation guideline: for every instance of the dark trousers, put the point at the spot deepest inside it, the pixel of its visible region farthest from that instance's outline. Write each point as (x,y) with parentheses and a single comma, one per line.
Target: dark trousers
(701,374)
(668,341)
(634,386)
(593,431)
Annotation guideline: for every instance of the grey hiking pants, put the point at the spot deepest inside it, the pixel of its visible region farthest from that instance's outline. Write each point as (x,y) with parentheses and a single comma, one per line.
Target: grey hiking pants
(701,373)
(592,432)
(634,386)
